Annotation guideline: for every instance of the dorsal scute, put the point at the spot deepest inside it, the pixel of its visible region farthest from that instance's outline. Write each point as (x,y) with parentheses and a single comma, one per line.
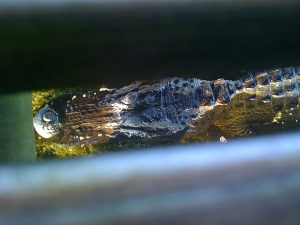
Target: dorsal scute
(278,86)
(224,90)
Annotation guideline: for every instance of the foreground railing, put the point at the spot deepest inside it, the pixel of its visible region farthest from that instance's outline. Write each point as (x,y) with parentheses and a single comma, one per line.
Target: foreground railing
(247,181)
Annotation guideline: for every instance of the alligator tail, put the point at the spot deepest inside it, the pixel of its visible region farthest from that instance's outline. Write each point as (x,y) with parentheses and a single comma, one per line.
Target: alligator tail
(279,87)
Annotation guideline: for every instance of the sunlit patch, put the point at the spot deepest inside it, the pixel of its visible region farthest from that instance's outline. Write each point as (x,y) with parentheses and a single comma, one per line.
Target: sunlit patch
(277,117)
(223,139)
(103,89)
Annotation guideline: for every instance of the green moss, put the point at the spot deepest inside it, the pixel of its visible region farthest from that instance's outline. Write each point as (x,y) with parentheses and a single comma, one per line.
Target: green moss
(49,149)
(39,98)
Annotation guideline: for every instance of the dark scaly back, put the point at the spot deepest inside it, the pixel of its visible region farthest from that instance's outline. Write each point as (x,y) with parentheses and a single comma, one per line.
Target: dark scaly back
(266,101)
(138,110)
(278,87)
(168,107)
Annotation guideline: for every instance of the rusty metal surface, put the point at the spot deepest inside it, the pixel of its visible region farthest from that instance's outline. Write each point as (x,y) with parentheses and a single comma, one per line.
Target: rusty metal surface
(247,181)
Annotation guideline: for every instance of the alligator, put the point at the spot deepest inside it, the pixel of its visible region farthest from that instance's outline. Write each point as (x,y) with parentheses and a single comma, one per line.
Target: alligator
(185,107)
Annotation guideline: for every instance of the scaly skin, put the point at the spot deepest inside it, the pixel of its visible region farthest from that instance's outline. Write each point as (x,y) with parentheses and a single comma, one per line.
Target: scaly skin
(190,108)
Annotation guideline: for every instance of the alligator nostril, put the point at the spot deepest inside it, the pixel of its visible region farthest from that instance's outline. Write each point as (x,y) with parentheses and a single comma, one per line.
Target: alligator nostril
(49,116)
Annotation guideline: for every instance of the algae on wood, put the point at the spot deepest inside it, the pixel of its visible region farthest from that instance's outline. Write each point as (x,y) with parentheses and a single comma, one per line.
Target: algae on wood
(16,128)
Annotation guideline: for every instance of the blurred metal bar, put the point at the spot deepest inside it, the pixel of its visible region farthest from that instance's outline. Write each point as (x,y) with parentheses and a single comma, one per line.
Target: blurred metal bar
(247,181)
(70,43)
(16,130)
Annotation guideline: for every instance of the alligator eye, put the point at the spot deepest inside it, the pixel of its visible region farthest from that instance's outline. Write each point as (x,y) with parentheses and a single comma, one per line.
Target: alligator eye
(49,116)
(130,99)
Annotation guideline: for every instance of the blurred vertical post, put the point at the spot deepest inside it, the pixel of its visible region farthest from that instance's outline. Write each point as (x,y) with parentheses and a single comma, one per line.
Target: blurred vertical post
(16,128)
